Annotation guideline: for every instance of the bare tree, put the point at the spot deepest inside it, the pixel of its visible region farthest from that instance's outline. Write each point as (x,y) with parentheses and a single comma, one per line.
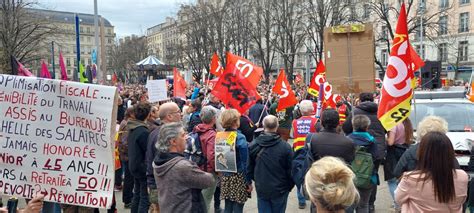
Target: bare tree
(126,52)
(22,33)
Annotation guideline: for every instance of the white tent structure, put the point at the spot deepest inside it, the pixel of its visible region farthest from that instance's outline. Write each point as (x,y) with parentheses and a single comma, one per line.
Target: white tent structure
(150,60)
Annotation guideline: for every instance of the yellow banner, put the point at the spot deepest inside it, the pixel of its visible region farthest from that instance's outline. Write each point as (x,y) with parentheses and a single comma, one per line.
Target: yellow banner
(396,115)
(313,92)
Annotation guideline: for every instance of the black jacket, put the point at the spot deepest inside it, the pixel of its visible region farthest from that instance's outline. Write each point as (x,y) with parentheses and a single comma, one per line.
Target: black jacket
(255,111)
(270,165)
(409,160)
(194,120)
(375,129)
(330,143)
(150,156)
(137,143)
(247,128)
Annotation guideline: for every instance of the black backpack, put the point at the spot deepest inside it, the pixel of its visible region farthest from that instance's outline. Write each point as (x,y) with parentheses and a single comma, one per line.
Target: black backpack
(194,151)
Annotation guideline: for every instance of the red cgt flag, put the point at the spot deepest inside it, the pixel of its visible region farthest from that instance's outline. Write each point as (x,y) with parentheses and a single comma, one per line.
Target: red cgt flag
(249,71)
(319,78)
(179,84)
(398,83)
(235,91)
(283,89)
(216,67)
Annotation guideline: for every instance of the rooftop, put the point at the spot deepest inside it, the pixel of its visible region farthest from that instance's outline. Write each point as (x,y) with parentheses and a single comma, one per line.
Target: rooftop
(69,17)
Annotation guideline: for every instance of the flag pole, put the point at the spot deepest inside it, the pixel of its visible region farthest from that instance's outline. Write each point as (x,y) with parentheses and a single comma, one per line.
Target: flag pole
(320,100)
(78,49)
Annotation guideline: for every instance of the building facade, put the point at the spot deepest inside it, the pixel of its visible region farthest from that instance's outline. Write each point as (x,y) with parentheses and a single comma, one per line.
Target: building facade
(65,41)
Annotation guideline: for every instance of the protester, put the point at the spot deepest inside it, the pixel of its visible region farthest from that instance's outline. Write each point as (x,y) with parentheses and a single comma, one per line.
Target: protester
(255,112)
(179,181)
(408,160)
(299,130)
(363,140)
(152,120)
(329,185)
(328,142)
(285,117)
(369,108)
(35,205)
(207,136)
(235,187)
(270,167)
(435,185)
(137,146)
(127,192)
(195,110)
(247,127)
(398,141)
(168,113)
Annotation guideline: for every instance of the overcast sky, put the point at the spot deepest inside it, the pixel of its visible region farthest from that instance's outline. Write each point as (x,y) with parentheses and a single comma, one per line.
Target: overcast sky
(128,16)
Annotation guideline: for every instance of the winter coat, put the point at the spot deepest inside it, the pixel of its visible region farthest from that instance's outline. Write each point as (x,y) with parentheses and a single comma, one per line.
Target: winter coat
(179,183)
(137,143)
(270,165)
(375,129)
(152,124)
(255,111)
(409,160)
(247,128)
(150,156)
(194,120)
(207,136)
(330,143)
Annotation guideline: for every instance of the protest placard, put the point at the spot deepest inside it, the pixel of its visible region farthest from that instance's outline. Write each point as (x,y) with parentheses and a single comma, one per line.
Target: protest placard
(225,155)
(157,90)
(56,140)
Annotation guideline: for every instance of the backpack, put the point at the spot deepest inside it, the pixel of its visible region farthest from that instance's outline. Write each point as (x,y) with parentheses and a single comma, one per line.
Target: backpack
(362,166)
(194,151)
(302,160)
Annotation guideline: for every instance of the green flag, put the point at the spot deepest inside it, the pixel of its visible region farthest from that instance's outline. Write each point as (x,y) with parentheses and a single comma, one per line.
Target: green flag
(82,74)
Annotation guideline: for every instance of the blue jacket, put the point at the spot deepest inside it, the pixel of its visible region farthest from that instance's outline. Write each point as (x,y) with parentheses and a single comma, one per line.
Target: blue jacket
(195,93)
(242,151)
(366,140)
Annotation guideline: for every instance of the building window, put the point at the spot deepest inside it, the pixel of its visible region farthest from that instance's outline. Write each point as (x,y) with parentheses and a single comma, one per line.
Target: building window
(464,1)
(443,25)
(419,30)
(464,22)
(82,38)
(443,52)
(463,50)
(421,5)
(75,62)
(81,29)
(384,57)
(68,62)
(366,10)
(88,39)
(88,30)
(109,41)
(109,31)
(443,4)
(385,32)
(89,61)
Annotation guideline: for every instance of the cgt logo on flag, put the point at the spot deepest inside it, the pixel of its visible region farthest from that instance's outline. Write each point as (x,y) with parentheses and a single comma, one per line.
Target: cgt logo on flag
(287,96)
(397,87)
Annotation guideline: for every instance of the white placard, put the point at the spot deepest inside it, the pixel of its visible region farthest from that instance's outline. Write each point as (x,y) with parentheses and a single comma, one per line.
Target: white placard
(55,139)
(157,90)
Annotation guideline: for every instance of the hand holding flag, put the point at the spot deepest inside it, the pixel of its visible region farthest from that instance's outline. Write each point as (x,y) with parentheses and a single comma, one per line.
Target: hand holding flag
(283,89)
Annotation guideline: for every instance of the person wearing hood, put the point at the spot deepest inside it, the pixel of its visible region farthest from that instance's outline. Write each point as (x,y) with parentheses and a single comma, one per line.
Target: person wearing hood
(179,181)
(270,167)
(369,108)
(207,136)
(362,138)
(137,143)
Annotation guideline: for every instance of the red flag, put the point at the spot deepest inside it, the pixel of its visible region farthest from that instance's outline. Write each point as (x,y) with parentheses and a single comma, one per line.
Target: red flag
(282,88)
(332,101)
(398,83)
(44,71)
(63,67)
(216,67)
(212,82)
(249,71)
(319,78)
(235,91)
(22,71)
(179,84)
(114,78)
(417,62)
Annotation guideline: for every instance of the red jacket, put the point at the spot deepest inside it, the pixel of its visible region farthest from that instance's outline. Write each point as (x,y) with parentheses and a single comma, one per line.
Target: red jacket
(207,135)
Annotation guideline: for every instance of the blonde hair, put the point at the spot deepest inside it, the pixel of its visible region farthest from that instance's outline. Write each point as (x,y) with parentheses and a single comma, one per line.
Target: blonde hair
(229,118)
(329,182)
(431,124)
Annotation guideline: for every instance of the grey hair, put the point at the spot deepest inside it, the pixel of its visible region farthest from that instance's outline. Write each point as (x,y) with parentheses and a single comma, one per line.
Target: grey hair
(360,123)
(431,124)
(270,122)
(168,132)
(207,114)
(306,106)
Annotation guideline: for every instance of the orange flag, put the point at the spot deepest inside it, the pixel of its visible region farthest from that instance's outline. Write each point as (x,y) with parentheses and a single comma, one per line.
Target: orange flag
(471,94)
(283,88)
(216,67)
(179,84)
(249,71)
(319,78)
(397,89)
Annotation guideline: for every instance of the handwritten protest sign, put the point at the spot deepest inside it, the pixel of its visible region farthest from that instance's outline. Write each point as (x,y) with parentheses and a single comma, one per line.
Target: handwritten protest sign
(225,155)
(56,140)
(157,90)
